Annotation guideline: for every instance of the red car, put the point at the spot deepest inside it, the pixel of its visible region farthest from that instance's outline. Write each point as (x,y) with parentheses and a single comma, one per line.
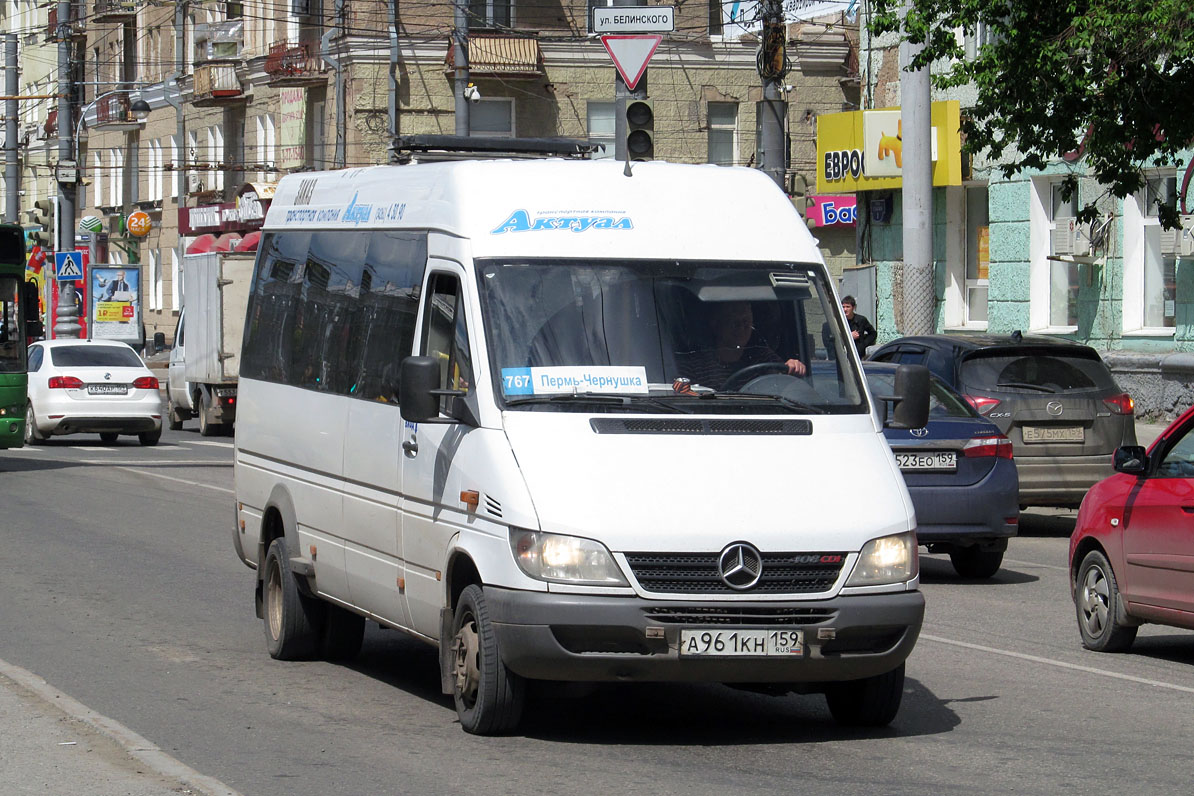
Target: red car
(1132,551)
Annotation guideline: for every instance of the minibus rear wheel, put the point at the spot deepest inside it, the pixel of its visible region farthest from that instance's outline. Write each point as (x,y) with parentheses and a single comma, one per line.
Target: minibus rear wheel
(291,619)
(869,702)
(488,696)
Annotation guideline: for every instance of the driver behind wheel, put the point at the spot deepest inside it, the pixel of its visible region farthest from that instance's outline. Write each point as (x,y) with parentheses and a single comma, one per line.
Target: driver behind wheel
(732,324)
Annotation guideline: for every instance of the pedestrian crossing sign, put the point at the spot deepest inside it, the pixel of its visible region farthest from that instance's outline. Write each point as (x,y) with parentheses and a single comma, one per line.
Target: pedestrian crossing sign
(68,266)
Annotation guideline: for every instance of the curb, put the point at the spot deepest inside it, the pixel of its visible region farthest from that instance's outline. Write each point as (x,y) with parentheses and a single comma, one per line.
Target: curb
(137,747)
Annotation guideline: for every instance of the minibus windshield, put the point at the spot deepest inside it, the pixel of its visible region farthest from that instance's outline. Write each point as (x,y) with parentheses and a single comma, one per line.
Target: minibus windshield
(660,336)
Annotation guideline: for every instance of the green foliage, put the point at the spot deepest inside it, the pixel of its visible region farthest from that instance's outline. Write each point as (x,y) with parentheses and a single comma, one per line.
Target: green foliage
(1109,80)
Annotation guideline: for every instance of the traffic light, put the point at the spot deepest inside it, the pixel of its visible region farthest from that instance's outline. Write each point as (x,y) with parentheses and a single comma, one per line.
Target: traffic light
(640,128)
(43,216)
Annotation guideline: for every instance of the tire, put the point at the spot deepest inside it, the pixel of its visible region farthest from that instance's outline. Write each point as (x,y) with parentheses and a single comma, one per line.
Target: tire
(149,438)
(206,427)
(488,696)
(292,620)
(108,437)
(32,435)
(343,633)
(173,418)
(870,702)
(971,562)
(1097,601)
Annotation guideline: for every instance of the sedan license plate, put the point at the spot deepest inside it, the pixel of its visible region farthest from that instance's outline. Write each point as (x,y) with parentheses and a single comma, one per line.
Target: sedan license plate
(1052,433)
(731,643)
(107,389)
(946,461)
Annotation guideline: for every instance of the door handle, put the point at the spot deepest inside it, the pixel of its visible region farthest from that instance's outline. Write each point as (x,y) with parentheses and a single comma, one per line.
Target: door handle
(411,447)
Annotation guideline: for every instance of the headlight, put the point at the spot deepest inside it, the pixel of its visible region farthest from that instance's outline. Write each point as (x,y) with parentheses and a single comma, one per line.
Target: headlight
(886,560)
(564,559)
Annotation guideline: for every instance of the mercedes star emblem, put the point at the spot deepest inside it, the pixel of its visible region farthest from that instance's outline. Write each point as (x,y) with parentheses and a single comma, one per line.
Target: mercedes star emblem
(740,566)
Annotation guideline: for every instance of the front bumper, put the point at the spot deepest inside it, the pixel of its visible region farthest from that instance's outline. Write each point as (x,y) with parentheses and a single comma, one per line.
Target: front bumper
(594,638)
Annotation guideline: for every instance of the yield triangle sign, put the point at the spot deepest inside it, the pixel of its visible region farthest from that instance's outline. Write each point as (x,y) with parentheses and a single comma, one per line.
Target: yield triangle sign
(630,54)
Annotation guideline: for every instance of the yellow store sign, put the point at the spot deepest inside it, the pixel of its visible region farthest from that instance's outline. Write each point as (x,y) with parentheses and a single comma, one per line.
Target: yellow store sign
(864,150)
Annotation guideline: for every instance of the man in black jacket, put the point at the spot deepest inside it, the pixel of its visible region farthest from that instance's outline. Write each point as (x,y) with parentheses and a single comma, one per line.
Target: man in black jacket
(860,328)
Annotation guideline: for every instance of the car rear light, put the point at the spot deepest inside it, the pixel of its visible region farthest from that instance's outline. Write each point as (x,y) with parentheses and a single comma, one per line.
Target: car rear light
(1121,404)
(146,383)
(65,383)
(981,403)
(998,446)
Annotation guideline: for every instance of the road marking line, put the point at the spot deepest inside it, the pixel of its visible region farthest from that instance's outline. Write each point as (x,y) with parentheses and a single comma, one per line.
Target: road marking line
(179,480)
(1060,664)
(143,462)
(206,442)
(1034,564)
(136,746)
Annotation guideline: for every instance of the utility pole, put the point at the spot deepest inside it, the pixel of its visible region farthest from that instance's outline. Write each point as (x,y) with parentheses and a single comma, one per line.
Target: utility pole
(12,170)
(460,58)
(67,324)
(393,102)
(180,19)
(917,194)
(772,112)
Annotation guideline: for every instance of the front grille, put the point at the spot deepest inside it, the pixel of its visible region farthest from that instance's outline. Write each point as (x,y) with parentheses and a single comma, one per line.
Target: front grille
(696,573)
(733,615)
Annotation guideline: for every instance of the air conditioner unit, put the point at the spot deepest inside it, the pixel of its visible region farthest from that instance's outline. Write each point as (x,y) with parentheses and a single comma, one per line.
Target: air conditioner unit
(1080,236)
(1186,244)
(195,184)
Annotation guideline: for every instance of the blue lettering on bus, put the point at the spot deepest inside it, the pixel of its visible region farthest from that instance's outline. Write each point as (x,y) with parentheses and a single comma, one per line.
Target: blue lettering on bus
(520,221)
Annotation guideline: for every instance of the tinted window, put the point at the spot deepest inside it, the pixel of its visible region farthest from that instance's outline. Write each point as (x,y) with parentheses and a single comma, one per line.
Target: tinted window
(12,336)
(1179,459)
(94,356)
(35,356)
(334,311)
(446,337)
(1037,373)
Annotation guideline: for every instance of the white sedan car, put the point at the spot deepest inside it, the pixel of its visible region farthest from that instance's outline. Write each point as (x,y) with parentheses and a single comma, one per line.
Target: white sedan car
(91,386)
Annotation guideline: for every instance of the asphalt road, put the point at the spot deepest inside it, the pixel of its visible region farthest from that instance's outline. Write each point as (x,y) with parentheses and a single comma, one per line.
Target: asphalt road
(120,588)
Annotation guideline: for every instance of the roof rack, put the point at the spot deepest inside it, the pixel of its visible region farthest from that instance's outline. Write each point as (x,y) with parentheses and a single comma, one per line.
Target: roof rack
(461,147)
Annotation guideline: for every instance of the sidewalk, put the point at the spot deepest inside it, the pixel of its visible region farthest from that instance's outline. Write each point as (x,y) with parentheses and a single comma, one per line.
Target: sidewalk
(54,744)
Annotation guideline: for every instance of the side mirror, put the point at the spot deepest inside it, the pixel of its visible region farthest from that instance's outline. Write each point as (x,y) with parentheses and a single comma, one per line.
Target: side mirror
(911,397)
(416,399)
(159,342)
(1130,459)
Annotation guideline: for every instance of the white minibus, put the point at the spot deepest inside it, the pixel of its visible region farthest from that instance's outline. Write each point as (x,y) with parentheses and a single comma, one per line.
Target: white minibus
(571,421)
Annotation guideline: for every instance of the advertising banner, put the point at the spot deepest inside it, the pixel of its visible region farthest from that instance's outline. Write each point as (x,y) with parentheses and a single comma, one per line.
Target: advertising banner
(292,129)
(864,150)
(116,303)
(828,211)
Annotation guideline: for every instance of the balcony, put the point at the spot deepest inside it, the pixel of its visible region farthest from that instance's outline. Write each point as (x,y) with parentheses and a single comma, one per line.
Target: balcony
(113,113)
(294,64)
(215,85)
(114,11)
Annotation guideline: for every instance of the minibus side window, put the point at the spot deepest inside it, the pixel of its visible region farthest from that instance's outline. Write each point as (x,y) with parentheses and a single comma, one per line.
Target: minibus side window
(446,335)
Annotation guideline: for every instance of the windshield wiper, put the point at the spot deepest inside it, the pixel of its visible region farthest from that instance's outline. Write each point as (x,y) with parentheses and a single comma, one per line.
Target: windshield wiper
(1023,385)
(600,399)
(753,396)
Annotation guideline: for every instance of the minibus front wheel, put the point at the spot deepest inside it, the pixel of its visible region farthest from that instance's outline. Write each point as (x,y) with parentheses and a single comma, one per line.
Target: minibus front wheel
(488,696)
(290,618)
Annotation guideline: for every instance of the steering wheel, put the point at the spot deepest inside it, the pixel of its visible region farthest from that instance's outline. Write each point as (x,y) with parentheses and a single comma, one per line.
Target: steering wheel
(741,377)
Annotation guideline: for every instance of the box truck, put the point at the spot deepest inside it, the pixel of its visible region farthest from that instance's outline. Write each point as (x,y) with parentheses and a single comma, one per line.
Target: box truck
(205,360)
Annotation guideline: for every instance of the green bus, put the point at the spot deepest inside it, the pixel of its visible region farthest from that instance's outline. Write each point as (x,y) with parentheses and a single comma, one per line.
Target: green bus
(18,322)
